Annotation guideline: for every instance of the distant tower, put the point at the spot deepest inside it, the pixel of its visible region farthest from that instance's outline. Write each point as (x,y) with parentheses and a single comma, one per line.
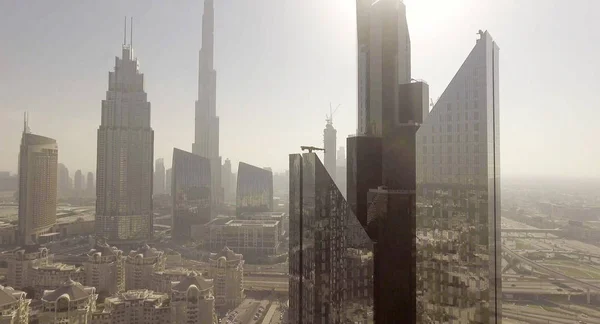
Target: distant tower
(91,188)
(78,183)
(64,184)
(168,181)
(125,155)
(206,143)
(38,168)
(159,177)
(226,182)
(330,142)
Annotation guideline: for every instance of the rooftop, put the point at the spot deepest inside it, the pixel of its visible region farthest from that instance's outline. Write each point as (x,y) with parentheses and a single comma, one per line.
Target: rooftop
(71,289)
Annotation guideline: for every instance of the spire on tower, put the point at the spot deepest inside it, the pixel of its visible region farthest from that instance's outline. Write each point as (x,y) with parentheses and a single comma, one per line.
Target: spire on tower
(26,123)
(131,34)
(125,32)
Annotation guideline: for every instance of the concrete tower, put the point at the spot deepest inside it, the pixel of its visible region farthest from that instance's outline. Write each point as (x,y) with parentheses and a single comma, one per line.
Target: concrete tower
(125,155)
(159,177)
(38,168)
(330,142)
(206,142)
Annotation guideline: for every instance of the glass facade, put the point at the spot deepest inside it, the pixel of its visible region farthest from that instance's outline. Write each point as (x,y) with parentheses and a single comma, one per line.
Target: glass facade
(458,196)
(331,266)
(191,183)
(254,189)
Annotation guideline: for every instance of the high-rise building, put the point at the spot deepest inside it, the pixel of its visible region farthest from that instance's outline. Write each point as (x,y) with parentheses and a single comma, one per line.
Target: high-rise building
(226,269)
(15,306)
(331,266)
(459,194)
(38,167)
(330,142)
(168,180)
(226,181)
(64,183)
(254,189)
(91,186)
(125,155)
(341,176)
(191,195)
(206,142)
(140,265)
(69,303)
(78,183)
(159,177)
(105,269)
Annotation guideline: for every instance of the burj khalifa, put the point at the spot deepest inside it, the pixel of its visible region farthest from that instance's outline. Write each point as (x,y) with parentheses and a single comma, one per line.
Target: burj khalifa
(206,142)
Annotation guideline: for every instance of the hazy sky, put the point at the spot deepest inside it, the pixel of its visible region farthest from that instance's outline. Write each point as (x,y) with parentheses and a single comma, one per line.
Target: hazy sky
(281,62)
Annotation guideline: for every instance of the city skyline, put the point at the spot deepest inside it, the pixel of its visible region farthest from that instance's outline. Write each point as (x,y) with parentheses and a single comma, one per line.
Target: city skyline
(172,76)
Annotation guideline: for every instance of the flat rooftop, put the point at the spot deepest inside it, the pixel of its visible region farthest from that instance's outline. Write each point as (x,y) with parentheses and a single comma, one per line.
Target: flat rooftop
(253,222)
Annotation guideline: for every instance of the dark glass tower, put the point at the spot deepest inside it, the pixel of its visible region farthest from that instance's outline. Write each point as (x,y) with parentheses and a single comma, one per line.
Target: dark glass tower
(331,259)
(254,189)
(191,183)
(459,195)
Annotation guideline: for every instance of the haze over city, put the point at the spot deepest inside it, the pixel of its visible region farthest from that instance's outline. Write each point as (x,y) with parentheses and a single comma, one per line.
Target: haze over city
(280,64)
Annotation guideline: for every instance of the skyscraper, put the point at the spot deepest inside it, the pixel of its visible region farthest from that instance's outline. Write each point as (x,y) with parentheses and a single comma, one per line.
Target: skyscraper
(206,142)
(190,193)
(459,194)
(125,155)
(168,180)
(159,177)
(330,142)
(340,176)
(78,183)
(38,168)
(254,189)
(226,182)
(91,187)
(64,183)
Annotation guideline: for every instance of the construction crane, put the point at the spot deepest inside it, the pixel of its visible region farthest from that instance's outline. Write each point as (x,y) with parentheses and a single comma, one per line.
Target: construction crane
(311,148)
(329,118)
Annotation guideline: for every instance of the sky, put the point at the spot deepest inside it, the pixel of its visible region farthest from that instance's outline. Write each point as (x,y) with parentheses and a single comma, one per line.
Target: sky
(280,63)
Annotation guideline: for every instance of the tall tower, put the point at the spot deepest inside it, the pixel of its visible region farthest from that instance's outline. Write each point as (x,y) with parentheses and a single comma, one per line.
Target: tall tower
(458,179)
(38,168)
(159,177)
(206,142)
(91,187)
(125,155)
(330,142)
(78,183)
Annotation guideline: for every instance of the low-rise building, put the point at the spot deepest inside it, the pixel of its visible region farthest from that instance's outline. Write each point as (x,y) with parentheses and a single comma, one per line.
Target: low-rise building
(70,303)
(255,239)
(105,269)
(136,307)
(14,306)
(277,216)
(193,300)
(8,234)
(227,272)
(140,265)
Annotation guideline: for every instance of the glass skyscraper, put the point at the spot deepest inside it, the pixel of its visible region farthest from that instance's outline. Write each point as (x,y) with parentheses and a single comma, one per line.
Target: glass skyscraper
(254,189)
(191,184)
(458,186)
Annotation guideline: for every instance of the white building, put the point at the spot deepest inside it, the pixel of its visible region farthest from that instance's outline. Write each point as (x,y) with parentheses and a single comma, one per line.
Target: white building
(227,272)
(135,307)
(193,300)
(20,262)
(140,265)
(14,306)
(105,269)
(162,280)
(50,275)
(71,303)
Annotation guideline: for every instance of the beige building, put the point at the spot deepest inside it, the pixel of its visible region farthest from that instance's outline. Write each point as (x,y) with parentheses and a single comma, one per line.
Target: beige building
(135,307)
(38,165)
(193,301)
(105,269)
(14,306)
(50,275)
(140,265)
(71,303)
(162,280)
(20,263)
(255,239)
(227,271)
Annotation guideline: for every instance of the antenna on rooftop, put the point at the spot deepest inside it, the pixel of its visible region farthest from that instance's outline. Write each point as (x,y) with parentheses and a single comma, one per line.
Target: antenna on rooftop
(131,35)
(125,32)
